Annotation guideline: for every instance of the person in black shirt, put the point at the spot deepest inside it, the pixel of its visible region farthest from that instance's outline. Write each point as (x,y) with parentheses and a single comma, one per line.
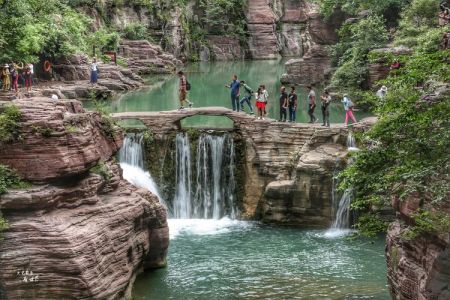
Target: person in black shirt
(283,104)
(326,100)
(292,104)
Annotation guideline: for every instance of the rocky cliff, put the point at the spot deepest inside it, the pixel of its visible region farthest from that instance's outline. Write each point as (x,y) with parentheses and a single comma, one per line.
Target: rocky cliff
(418,268)
(273,28)
(80,231)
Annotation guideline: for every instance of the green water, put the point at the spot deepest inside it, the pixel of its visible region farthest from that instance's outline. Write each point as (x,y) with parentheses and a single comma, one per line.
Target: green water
(208,82)
(211,259)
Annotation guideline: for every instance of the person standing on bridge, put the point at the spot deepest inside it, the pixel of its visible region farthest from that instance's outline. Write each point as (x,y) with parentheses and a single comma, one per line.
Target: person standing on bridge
(311,104)
(283,104)
(292,103)
(235,93)
(183,90)
(348,107)
(326,100)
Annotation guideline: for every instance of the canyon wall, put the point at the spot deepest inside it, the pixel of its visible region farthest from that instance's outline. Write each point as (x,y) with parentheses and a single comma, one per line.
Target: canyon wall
(79,231)
(272,29)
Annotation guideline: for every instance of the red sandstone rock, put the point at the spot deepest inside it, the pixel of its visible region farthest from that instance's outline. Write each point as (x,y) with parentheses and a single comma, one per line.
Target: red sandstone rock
(77,247)
(75,141)
(146,58)
(79,235)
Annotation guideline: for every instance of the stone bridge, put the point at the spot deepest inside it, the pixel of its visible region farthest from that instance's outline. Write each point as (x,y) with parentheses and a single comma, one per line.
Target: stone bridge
(283,161)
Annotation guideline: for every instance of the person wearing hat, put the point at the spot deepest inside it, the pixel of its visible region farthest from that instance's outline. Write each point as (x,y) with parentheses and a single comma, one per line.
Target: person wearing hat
(5,78)
(382,92)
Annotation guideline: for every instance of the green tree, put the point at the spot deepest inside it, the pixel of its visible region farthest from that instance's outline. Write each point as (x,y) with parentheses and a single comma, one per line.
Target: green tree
(350,54)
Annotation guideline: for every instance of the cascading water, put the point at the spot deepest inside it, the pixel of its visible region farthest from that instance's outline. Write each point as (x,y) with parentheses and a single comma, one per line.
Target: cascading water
(214,178)
(183,178)
(131,160)
(341,221)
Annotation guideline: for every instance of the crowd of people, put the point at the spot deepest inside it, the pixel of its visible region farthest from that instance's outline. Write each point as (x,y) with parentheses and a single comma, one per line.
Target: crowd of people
(13,73)
(288,101)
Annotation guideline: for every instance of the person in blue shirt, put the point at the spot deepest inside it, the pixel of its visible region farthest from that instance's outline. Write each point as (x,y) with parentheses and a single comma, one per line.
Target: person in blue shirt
(234,87)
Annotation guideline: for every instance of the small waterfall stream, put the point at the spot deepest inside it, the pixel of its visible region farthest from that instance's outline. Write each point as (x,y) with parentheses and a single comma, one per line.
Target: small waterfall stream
(131,160)
(341,221)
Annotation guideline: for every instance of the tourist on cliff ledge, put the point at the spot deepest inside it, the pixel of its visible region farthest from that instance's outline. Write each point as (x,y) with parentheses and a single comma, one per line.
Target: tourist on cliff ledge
(94,71)
(292,104)
(348,107)
(247,99)
(234,87)
(283,104)
(311,104)
(28,76)
(326,100)
(5,78)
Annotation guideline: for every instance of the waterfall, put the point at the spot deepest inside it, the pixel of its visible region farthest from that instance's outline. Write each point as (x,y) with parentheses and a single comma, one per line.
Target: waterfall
(351,142)
(131,160)
(183,193)
(214,178)
(342,217)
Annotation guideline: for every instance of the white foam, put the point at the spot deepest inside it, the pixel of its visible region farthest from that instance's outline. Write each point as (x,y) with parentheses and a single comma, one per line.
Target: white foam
(353,149)
(336,233)
(140,178)
(205,226)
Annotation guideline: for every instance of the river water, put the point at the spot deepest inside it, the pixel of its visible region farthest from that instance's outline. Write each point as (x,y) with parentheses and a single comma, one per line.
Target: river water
(208,80)
(225,259)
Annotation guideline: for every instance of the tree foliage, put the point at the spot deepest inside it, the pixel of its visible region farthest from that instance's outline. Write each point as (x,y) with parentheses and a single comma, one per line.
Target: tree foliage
(350,54)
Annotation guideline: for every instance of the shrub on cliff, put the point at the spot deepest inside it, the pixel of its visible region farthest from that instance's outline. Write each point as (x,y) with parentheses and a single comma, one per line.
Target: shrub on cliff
(10,179)
(3,225)
(9,124)
(136,31)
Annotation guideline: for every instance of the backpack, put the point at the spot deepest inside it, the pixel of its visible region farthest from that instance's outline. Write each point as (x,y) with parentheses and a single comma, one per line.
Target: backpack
(188,86)
(350,104)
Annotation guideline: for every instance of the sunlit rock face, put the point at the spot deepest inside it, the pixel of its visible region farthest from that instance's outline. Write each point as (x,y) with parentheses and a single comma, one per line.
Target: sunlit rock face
(77,233)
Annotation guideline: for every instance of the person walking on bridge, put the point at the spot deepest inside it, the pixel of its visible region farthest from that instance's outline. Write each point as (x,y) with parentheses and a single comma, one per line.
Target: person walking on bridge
(235,93)
(184,87)
(247,99)
(348,107)
(326,100)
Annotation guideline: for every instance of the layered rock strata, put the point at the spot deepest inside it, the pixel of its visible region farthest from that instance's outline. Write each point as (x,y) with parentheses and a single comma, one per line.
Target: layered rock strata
(314,66)
(78,232)
(417,268)
(146,58)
